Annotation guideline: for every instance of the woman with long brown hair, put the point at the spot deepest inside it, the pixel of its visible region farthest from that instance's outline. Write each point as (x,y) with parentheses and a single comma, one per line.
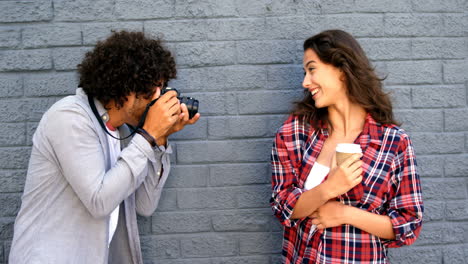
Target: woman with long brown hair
(370,202)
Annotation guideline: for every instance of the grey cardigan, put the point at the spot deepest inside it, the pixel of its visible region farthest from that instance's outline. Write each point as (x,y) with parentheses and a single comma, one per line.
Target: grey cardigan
(71,189)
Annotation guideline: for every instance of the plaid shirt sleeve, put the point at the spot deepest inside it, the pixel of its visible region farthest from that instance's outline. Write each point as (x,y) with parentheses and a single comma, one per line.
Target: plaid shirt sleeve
(284,183)
(406,206)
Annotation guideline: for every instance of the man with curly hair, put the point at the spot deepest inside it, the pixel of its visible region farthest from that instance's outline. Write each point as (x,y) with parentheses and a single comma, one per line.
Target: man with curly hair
(84,184)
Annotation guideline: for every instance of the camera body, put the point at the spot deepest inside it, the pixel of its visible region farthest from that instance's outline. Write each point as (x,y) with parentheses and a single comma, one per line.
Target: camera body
(191,103)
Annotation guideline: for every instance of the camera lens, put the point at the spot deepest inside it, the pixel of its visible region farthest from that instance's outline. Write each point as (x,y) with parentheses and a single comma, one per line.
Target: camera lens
(192,105)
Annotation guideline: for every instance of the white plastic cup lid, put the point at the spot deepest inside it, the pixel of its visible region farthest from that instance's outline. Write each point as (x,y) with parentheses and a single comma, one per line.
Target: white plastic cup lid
(348,148)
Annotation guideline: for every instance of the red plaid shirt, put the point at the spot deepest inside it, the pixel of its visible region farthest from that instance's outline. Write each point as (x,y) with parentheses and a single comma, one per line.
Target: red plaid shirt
(390,186)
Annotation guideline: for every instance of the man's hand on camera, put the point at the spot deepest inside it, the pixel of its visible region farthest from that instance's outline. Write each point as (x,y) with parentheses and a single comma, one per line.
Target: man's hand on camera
(162,116)
(183,120)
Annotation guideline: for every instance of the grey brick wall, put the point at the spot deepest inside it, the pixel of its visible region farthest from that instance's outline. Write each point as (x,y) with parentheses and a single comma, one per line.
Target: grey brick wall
(242,59)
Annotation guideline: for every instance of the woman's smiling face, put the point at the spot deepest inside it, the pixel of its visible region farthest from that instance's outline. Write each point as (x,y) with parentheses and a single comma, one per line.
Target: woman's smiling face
(324,81)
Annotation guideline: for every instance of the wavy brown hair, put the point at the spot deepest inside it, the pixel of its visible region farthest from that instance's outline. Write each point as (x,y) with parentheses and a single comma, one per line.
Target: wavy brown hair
(363,86)
(125,63)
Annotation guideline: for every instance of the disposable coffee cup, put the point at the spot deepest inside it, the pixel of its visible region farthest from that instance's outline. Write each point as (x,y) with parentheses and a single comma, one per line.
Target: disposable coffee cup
(345,150)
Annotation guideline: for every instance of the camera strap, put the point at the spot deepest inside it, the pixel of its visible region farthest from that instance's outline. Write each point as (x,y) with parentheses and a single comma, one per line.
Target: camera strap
(101,123)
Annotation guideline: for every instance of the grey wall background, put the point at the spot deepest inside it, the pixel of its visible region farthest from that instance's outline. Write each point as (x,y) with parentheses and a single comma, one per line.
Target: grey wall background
(242,60)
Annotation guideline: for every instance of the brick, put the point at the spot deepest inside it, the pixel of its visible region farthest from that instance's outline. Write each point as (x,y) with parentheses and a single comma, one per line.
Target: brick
(239,174)
(242,260)
(179,261)
(206,198)
(251,243)
(438,143)
(181,222)
(456,166)
(221,151)
(244,126)
(430,166)
(7,246)
(11,85)
(285,76)
(94,32)
(257,196)
(455,232)
(421,120)
(378,6)
(411,255)
(292,7)
(455,24)
(387,48)
(159,247)
(438,189)
(276,259)
(188,176)
(50,84)
(456,119)
(439,48)
(144,9)
(433,211)
(411,25)
(255,52)
(455,71)
(52,35)
(456,210)
(215,103)
(220,78)
(432,235)
(6,228)
(437,6)
(14,157)
(205,8)
(168,201)
(10,37)
(12,110)
(12,134)
(296,27)
(235,29)
(26,11)
(414,72)
(178,30)
(205,53)
(34,108)
(195,131)
(68,58)
(30,130)
(251,8)
(144,225)
(12,180)
(11,203)
(362,25)
(340,6)
(242,220)
(84,10)
(209,245)
(25,60)
(455,254)
(439,96)
(401,96)
(274,102)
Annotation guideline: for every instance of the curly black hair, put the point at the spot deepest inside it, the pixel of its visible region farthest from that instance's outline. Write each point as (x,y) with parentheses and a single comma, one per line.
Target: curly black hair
(125,62)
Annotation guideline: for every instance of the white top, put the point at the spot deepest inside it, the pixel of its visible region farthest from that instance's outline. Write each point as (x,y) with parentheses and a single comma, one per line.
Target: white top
(114,147)
(316,175)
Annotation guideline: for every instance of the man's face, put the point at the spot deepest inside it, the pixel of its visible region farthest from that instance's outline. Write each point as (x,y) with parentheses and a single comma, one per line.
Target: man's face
(135,105)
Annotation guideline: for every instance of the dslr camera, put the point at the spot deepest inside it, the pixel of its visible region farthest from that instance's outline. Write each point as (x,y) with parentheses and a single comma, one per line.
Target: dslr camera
(191,103)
